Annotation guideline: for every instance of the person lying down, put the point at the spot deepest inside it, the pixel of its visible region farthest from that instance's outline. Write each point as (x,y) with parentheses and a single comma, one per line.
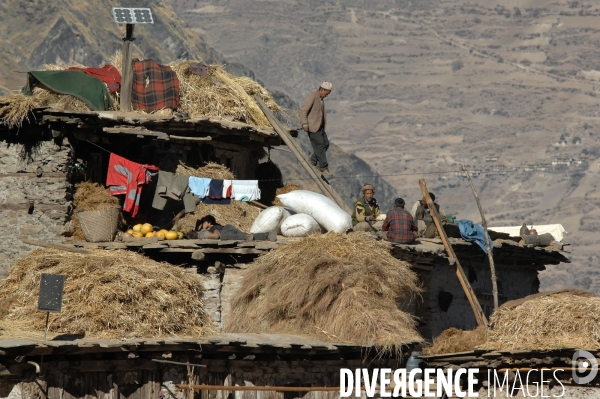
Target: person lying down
(207,227)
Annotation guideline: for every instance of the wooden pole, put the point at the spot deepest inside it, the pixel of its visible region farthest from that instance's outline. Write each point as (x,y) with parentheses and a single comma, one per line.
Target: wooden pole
(487,241)
(460,273)
(326,189)
(255,388)
(127,78)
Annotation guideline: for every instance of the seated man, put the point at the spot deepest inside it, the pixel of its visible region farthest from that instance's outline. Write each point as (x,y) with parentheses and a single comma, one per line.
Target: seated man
(399,224)
(421,214)
(366,210)
(207,227)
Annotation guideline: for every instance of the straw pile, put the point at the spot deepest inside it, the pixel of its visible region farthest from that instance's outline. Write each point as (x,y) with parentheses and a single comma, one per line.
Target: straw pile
(544,321)
(218,95)
(563,320)
(455,340)
(238,214)
(335,287)
(90,197)
(221,95)
(116,294)
(288,188)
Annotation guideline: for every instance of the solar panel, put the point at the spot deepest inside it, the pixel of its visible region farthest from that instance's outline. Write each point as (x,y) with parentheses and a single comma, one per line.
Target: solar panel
(132,15)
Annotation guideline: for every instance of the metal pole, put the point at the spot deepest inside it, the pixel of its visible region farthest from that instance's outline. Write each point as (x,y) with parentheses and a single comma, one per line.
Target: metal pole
(127,78)
(487,240)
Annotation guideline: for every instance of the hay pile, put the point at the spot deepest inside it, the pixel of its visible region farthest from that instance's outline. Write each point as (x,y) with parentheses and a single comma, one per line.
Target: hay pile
(116,294)
(335,287)
(288,188)
(563,320)
(544,321)
(238,214)
(455,340)
(218,95)
(90,197)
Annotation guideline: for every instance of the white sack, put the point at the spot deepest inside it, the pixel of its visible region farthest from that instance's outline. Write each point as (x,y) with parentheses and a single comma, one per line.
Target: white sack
(299,225)
(326,212)
(269,220)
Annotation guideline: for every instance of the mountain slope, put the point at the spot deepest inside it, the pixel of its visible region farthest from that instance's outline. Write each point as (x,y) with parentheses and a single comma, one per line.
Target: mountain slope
(420,87)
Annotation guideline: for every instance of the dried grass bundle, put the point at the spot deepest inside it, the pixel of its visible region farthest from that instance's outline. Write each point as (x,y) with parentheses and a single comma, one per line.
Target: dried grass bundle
(211,170)
(90,197)
(562,320)
(334,287)
(455,340)
(15,108)
(288,188)
(116,294)
(221,95)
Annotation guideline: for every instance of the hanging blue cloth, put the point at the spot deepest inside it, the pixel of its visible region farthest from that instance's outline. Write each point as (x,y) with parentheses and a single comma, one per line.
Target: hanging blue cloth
(470,231)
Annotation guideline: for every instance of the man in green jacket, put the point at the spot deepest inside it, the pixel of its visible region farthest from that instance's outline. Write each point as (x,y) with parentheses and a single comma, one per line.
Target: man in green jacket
(366,211)
(314,120)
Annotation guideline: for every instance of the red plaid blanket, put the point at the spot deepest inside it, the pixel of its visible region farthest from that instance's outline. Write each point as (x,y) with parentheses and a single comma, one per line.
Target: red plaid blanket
(154,86)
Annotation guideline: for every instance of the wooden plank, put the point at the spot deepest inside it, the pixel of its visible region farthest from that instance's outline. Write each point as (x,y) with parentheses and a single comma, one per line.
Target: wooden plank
(34,175)
(137,132)
(62,247)
(186,138)
(460,273)
(179,250)
(240,251)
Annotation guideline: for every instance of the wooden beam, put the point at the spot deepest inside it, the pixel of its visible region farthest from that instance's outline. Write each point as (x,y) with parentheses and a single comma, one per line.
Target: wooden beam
(127,71)
(136,131)
(460,273)
(62,247)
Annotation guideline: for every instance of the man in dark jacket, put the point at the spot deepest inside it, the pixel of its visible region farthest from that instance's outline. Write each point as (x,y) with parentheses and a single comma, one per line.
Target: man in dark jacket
(314,121)
(207,227)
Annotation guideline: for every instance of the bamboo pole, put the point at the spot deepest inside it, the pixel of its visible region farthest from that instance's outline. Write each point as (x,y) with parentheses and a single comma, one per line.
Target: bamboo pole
(460,273)
(487,240)
(326,189)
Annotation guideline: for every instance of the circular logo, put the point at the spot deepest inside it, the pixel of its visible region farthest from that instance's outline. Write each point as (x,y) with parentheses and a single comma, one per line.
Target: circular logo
(585,367)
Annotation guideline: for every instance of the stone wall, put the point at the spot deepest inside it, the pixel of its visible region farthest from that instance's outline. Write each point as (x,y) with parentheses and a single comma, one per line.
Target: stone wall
(35,195)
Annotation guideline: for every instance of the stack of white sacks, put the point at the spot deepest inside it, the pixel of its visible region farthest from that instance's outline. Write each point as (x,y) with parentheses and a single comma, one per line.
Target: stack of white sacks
(304,212)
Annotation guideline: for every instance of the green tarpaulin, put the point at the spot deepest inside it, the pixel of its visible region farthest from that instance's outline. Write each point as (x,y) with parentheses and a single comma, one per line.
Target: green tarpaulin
(88,89)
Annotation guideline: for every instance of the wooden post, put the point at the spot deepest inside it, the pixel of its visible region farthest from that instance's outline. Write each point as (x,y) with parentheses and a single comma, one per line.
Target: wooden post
(487,241)
(460,273)
(127,78)
(326,189)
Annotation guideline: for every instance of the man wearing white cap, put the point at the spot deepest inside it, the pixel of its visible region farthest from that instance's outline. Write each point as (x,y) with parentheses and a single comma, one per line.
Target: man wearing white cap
(314,120)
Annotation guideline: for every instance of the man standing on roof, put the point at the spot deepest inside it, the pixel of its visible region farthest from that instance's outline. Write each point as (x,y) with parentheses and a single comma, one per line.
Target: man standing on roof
(366,210)
(399,224)
(314,120)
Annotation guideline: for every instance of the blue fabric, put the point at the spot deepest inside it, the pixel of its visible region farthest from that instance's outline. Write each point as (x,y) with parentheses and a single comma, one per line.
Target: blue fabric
(199,185)
(470,231)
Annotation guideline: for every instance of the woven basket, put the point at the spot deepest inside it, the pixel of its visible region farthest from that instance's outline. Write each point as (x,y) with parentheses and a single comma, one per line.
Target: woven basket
(99,226)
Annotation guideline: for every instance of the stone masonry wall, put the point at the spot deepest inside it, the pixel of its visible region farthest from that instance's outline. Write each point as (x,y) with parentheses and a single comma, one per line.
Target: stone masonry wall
(37,173)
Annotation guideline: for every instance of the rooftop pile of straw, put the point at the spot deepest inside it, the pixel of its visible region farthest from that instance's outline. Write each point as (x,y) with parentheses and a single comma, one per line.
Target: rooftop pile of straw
(334,287)
(288,188)
(563,320)
(219,95)
(455,340)
(545,321)
(116,294)
(238,214)
(90,197)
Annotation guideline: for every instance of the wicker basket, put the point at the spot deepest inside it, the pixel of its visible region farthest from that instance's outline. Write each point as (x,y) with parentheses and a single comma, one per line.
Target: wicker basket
(99,226)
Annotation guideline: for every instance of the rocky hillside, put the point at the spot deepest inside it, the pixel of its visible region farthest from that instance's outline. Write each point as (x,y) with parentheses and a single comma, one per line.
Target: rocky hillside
(65,32)
(420,87)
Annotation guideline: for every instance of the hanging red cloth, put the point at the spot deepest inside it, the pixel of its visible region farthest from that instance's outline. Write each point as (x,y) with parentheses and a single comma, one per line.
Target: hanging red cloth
(108,74)
(127,177)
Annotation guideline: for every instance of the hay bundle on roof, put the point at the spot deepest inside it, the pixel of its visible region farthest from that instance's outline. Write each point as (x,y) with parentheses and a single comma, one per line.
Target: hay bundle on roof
(455,340)
(219,94)
(90,197)
(562,320)
(238,214)
(117,294)
(334,287)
